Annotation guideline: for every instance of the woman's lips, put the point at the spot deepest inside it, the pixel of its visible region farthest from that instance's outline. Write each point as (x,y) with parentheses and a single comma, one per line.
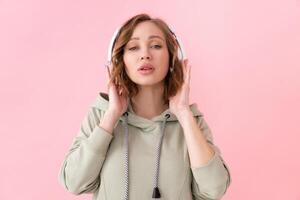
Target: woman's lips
(145,66)
(146,71)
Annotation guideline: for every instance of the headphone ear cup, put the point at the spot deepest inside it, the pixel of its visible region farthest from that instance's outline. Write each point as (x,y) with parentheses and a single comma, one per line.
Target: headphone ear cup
(111,45)
(179,54)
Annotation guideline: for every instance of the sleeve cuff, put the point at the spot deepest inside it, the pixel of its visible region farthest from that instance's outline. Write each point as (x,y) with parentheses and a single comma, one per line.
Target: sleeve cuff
(99,140)
(211,174)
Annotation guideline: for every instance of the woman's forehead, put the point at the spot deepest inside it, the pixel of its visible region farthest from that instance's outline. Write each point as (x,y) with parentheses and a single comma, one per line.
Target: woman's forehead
(147,31)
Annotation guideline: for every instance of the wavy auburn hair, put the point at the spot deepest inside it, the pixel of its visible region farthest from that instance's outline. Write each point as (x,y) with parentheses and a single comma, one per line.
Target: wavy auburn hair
(173,80)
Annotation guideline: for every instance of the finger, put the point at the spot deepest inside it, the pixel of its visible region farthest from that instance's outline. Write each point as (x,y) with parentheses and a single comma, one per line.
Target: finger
(120,90)
(188,73)
(111,88)
(108,69)
(183,68)
(107,75)
(186,61)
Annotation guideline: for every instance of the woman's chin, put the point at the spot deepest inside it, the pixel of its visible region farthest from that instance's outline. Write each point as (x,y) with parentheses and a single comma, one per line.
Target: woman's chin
(150,84)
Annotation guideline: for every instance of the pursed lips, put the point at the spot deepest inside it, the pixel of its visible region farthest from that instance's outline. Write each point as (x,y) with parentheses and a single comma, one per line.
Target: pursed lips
(145,66)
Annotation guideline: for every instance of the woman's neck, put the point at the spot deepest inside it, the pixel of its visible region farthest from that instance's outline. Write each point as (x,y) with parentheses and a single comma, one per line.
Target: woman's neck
(149,102)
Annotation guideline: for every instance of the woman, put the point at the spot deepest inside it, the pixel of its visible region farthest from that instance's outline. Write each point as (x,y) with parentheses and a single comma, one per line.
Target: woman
(143,139)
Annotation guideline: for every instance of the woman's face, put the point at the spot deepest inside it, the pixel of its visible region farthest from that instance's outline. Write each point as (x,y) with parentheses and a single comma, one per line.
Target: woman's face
(146,46)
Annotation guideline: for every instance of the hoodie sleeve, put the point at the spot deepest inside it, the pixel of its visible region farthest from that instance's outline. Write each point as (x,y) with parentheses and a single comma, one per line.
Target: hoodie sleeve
(210,182)
(80,170)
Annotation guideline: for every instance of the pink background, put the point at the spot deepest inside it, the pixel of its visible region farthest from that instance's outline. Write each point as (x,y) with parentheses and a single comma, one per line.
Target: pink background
(245,79)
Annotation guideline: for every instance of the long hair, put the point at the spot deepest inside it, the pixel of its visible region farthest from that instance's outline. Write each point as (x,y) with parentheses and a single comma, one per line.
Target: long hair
(173,80)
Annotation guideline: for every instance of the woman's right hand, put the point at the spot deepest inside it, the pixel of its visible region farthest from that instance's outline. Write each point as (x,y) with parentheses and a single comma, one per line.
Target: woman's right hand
(118,101)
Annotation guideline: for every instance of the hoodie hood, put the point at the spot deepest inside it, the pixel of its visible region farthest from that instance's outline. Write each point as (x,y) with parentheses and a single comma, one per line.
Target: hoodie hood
(102,100)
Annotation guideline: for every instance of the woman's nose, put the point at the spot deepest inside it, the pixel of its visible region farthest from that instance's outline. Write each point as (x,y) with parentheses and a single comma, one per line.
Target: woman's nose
(145,54)
(145,57)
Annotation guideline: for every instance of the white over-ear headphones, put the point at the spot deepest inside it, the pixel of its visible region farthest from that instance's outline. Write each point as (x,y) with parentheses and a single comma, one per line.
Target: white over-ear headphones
(180,53)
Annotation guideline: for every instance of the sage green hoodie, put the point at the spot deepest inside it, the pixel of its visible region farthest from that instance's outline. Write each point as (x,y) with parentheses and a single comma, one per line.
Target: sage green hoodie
(142,157)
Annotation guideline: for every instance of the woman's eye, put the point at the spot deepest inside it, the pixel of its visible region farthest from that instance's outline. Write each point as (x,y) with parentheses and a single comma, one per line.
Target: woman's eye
(132,48)
(154,46)
(157,46)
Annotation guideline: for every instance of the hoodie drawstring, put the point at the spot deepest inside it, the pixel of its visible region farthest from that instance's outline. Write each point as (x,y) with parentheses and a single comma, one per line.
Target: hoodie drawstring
(156,192)
(126,155)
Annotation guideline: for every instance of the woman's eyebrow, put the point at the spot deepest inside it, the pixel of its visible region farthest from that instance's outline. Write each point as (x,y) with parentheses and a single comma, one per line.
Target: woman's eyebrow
(150,37)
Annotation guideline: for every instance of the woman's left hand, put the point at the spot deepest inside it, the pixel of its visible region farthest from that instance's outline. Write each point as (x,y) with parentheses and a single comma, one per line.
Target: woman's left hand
(180,102)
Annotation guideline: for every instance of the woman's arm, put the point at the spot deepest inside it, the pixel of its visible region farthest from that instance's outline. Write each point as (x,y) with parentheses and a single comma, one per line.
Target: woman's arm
(108,122)
(200,152)
(211,176)
(80,170)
